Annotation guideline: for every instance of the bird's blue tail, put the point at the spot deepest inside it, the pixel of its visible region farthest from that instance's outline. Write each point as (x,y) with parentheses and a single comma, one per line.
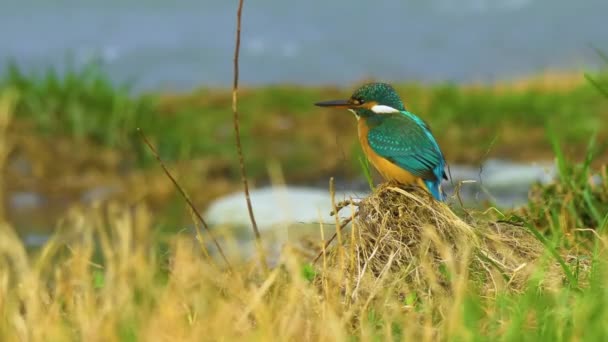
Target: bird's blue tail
(435,189)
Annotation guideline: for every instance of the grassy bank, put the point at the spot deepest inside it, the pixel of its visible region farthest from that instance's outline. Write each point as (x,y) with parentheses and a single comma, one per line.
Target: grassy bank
(108,275)
(279,123)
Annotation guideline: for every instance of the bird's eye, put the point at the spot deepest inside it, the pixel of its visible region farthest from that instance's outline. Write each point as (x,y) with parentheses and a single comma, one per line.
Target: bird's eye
(358,101)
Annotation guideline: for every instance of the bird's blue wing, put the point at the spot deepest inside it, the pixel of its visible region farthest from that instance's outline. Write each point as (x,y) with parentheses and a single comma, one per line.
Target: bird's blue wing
(403,140)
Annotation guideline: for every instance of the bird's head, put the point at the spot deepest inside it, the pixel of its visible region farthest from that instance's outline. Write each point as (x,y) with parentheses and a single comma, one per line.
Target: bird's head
(369,100)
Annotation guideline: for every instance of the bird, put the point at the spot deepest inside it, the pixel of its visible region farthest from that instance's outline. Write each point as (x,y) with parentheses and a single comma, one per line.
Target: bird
(398,143)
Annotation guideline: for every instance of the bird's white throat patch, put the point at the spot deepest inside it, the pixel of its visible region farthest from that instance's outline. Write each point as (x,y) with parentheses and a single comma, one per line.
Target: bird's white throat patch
(382,109)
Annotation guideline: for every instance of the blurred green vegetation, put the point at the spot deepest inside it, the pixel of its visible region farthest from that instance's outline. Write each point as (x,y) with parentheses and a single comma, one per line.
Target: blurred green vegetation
(280,122)
(578,199)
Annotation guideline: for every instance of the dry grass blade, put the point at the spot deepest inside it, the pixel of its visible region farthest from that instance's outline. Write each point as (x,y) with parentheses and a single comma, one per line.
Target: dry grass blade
(8,99)
(184,195)
(332,194)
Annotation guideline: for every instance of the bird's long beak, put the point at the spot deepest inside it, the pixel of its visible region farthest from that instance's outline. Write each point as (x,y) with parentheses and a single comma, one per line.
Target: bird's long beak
(335,104)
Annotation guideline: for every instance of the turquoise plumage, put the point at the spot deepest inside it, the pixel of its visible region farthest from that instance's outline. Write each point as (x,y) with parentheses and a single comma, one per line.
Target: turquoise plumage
(404,139)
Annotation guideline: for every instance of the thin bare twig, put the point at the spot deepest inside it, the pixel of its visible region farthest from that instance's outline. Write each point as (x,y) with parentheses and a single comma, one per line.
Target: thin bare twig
(184,195)
(237,134)
(328,242)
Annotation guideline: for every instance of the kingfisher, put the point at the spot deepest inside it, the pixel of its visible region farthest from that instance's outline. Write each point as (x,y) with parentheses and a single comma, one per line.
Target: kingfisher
(398,143)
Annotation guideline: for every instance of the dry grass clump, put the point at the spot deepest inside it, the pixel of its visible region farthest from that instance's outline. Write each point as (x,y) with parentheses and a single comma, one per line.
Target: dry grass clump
(106,275)
(408,236)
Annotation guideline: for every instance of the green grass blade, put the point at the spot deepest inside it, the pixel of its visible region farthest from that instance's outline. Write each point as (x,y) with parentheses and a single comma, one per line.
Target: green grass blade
(562,165)
(597,217)
(603,225)
(600,53)
(367,172)
(597,85)
(540,237)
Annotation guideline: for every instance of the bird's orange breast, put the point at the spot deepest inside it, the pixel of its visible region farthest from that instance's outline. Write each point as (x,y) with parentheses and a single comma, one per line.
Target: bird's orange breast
(386,168)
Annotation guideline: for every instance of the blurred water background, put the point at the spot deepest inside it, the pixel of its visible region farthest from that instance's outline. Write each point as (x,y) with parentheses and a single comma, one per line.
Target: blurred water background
(177,45)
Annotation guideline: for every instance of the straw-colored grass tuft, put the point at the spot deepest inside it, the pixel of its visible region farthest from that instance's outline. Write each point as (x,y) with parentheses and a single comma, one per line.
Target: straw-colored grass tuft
(407,236)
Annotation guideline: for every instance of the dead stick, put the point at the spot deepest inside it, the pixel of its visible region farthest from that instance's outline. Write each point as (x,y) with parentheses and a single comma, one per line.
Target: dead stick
(184,195)
(237,134)
(328,242)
